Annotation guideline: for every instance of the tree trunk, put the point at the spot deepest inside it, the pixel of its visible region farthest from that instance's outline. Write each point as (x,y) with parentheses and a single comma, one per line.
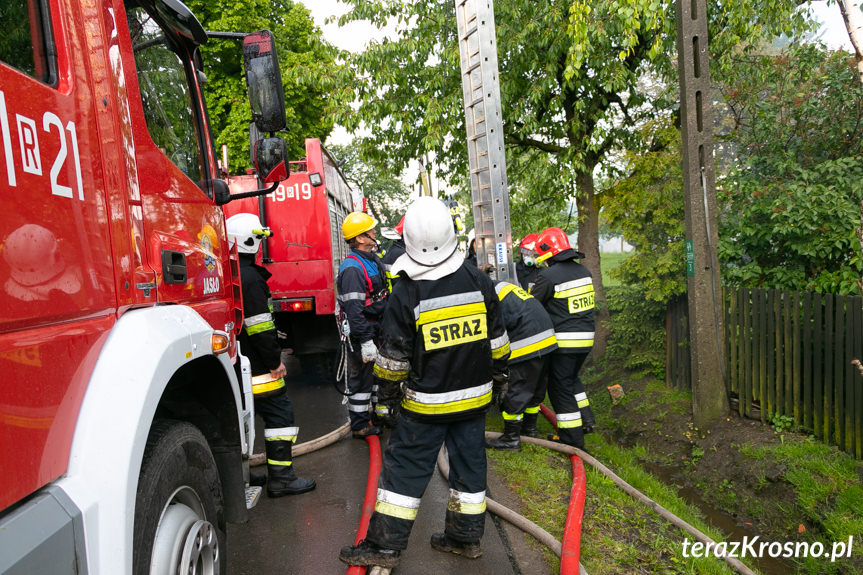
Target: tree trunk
(854,23)
(588,243)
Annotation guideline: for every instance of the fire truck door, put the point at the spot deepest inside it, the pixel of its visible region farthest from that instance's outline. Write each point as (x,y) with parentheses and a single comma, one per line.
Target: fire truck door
(184,230)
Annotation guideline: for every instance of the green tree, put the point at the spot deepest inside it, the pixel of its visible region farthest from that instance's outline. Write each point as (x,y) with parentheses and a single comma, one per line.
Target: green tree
(569,74)
(308,66)
(791,202)
(646,206)
(389,195)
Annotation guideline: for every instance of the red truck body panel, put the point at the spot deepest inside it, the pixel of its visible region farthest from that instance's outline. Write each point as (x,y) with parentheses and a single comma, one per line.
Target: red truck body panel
(89,205)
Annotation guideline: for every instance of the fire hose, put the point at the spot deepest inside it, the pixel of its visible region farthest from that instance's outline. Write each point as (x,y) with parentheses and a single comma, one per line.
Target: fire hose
(371,495)
(519,521)
(660,510)
(307,446)
(503,512)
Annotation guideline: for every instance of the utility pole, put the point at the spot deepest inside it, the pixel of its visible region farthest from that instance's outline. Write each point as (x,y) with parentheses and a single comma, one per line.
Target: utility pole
(484,124)
(704,287)
(425,189)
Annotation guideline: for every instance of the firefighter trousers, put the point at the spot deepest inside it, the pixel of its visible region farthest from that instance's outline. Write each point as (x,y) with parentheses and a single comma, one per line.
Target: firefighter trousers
(527,379)
(360,381)
(408,464)
(276,411)
(567,396)
(279,430)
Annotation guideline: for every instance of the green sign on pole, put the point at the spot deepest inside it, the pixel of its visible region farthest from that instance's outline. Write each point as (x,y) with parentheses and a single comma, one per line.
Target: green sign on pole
(690,259)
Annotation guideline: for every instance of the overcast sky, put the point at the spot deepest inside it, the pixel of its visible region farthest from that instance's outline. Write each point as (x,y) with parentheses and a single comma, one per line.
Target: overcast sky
(355,37)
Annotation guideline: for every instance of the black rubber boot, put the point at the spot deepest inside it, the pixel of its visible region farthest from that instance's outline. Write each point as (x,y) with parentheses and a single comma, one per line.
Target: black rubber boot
(573,437)
(281,479)
(509,439)
(440,542)
(368,554)
(257,477)
(528,425)
(363,432)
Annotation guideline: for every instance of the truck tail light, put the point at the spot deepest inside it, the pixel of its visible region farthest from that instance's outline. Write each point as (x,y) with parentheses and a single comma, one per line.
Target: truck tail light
(296,305)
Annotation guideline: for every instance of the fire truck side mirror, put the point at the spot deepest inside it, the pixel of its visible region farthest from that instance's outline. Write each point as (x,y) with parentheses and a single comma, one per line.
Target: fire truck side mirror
(271,160)
(264,81)
(221,192)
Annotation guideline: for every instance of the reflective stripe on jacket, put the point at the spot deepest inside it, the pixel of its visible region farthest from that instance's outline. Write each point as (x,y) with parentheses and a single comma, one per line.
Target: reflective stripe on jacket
(258,340)
(531,333)
(389,258)
(445,339)
(565,288)
(356,295)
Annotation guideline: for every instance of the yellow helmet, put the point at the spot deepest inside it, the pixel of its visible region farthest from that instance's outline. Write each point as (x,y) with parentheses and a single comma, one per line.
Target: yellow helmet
(357,223)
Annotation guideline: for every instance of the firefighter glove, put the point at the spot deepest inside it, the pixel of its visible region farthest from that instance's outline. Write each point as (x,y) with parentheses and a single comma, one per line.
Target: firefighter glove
(369,351)
(499,380)
(389,401)
(498,385)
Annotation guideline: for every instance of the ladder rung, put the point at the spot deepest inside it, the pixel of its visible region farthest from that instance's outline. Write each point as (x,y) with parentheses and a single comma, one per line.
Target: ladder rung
(469,33)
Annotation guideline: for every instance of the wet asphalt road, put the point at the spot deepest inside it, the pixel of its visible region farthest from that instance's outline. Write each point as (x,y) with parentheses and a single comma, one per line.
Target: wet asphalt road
(302,534)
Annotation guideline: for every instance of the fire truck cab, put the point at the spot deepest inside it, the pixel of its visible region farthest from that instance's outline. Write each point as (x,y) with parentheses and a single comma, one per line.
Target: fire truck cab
(125,420)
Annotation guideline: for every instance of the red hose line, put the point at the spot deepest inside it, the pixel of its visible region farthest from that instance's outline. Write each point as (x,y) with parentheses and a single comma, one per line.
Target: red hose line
(371,495)
(571,542)
(548,414)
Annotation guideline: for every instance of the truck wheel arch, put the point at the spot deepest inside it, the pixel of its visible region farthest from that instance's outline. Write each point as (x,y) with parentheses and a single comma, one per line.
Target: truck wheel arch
(145,372)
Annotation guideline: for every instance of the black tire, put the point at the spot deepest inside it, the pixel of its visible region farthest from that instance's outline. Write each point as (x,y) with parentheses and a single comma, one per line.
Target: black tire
(180,495)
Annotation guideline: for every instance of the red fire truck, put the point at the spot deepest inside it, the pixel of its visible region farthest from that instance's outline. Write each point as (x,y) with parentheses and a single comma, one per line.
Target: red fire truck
(305,213)
(123,422)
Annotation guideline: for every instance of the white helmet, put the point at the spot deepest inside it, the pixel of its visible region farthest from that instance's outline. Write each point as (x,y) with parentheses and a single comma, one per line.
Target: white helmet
(429,235)
(430,242)
(247,231)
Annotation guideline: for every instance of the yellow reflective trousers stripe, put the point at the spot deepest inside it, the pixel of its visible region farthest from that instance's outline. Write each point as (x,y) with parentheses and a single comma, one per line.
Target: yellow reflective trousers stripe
(396,510)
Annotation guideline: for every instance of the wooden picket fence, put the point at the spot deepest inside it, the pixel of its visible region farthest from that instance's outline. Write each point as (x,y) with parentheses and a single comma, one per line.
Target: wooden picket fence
(787,357)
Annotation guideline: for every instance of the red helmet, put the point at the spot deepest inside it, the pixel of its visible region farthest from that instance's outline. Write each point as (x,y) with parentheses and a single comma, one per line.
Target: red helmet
(528,244)
(400,227)
(551,242)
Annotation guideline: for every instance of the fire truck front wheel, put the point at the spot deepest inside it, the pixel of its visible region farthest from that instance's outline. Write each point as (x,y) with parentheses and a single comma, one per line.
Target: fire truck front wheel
(179,517)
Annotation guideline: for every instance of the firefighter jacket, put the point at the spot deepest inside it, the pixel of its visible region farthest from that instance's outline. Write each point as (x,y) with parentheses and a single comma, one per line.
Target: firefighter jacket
(389,258)
(445,339)
(530,331)
(565,288)
(526,274)
(258,338)
(361,287)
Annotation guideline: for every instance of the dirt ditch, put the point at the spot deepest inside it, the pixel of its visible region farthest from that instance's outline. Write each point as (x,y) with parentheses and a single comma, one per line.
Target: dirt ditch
(718,470)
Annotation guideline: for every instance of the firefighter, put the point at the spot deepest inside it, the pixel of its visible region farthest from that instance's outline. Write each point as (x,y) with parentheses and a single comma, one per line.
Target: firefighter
(565,288)
(362,288)
(471,247)
(258,341)
(532,339)
(525,267)
(396,249)
(443,350)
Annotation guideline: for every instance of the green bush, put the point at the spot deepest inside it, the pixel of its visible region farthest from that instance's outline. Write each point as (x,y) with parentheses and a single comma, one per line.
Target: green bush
(637,330)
